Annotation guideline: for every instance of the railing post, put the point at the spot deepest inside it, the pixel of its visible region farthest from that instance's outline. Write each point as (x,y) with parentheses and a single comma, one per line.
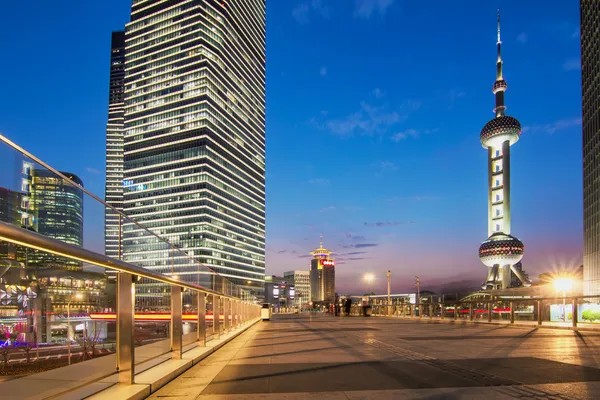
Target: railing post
(575,311)
(226,314)
(430,308)
(512,312)
(236,314)
(125,327)
(471,316)
(455,312)
(441,310)
(216,303)
(202,318)
(176,321)
(539,312)
(490,307)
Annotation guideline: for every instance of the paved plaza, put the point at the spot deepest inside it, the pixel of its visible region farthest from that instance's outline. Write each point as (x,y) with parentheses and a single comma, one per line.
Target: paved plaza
(321,357)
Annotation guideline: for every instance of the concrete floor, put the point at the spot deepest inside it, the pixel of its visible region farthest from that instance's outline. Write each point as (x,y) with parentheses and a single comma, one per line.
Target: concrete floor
(320,357)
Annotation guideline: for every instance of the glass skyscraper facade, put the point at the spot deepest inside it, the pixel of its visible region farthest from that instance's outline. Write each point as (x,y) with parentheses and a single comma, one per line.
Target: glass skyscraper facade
(57,210)
(194,138)
(113,194)
(590,86)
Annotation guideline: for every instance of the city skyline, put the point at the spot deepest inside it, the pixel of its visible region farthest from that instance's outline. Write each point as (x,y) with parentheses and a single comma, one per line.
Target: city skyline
(410,140)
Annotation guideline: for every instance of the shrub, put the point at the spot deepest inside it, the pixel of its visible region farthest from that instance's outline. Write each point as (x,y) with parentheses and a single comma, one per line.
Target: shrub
(590,315)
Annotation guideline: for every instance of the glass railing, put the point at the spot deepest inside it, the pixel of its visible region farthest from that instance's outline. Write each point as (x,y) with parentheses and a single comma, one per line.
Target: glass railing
(58,290)
(559,311)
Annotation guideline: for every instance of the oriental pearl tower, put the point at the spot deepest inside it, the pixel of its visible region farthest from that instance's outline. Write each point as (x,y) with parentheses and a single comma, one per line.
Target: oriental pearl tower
(501,251)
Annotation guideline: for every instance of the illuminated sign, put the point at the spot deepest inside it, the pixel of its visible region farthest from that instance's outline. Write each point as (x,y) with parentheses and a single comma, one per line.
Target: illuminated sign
(276,291)
(292,293)
(328,263)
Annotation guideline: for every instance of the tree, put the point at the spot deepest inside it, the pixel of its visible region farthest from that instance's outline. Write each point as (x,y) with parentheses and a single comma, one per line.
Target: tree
(5,352)
(26,348)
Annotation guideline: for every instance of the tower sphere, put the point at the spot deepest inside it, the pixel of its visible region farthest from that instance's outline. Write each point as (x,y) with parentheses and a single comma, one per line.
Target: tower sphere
(501,249)
(500,129)
(499,86)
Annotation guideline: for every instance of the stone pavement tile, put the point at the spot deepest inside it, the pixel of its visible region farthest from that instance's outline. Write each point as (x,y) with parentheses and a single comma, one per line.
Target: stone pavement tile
(531,370)
(277,396)
(295,377)
(574,390)
(430,394)
(182,387)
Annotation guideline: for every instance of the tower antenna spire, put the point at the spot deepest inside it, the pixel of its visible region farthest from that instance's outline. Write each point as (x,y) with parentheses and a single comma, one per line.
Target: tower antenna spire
(321,242)
(499,41)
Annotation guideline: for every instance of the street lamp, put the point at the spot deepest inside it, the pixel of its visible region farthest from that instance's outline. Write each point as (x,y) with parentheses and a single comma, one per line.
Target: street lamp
(418,302)
(78,296)
(369,278)
(563,285)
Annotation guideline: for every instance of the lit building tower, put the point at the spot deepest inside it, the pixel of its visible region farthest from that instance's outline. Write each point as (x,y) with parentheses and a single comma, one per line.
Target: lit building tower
(590,76)
(322,275)
(113,193)
(194,140)
(501,251)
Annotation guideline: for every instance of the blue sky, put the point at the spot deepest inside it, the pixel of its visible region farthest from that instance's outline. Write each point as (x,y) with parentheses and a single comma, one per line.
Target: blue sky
(374,109)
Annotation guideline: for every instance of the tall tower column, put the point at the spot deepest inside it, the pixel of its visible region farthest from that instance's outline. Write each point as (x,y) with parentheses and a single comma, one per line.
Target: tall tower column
(501,251)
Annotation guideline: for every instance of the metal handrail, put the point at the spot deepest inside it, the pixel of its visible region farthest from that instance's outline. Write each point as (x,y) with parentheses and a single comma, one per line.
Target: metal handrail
(34,240)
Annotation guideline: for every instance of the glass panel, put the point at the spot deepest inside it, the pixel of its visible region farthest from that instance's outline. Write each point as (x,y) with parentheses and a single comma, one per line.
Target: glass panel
(209,318)
(190,318)
(152,332)
(53,315)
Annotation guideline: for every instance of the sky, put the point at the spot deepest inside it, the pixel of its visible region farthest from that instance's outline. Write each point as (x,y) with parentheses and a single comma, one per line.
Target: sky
(374,109)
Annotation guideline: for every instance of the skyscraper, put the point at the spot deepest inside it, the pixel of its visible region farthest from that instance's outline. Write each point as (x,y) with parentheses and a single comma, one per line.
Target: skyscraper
(113,193)
(57,210)
(301,281)
(590,78)
(322,275)
(501,251)
(194,141)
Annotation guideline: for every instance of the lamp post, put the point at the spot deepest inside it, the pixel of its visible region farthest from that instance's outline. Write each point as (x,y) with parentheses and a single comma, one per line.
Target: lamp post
(563,285)
(78,296)
(389,302)
(418,285)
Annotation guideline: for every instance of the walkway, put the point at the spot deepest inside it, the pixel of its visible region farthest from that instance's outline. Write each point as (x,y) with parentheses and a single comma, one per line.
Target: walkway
(321,357)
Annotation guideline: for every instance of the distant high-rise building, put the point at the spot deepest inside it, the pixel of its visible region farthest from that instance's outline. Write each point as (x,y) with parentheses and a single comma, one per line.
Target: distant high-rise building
(10,212)
(113,193)
(322,275)
(590,89)
(279,291)
(501,251)
(194,139)
(301,281)
(56,207)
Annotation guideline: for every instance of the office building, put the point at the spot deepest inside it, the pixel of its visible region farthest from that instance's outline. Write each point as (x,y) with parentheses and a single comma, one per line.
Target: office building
(56,207)
(590,89)
(113,193)
(194,140)
(501,251)
(322,275)
(301,281)
(279,292)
